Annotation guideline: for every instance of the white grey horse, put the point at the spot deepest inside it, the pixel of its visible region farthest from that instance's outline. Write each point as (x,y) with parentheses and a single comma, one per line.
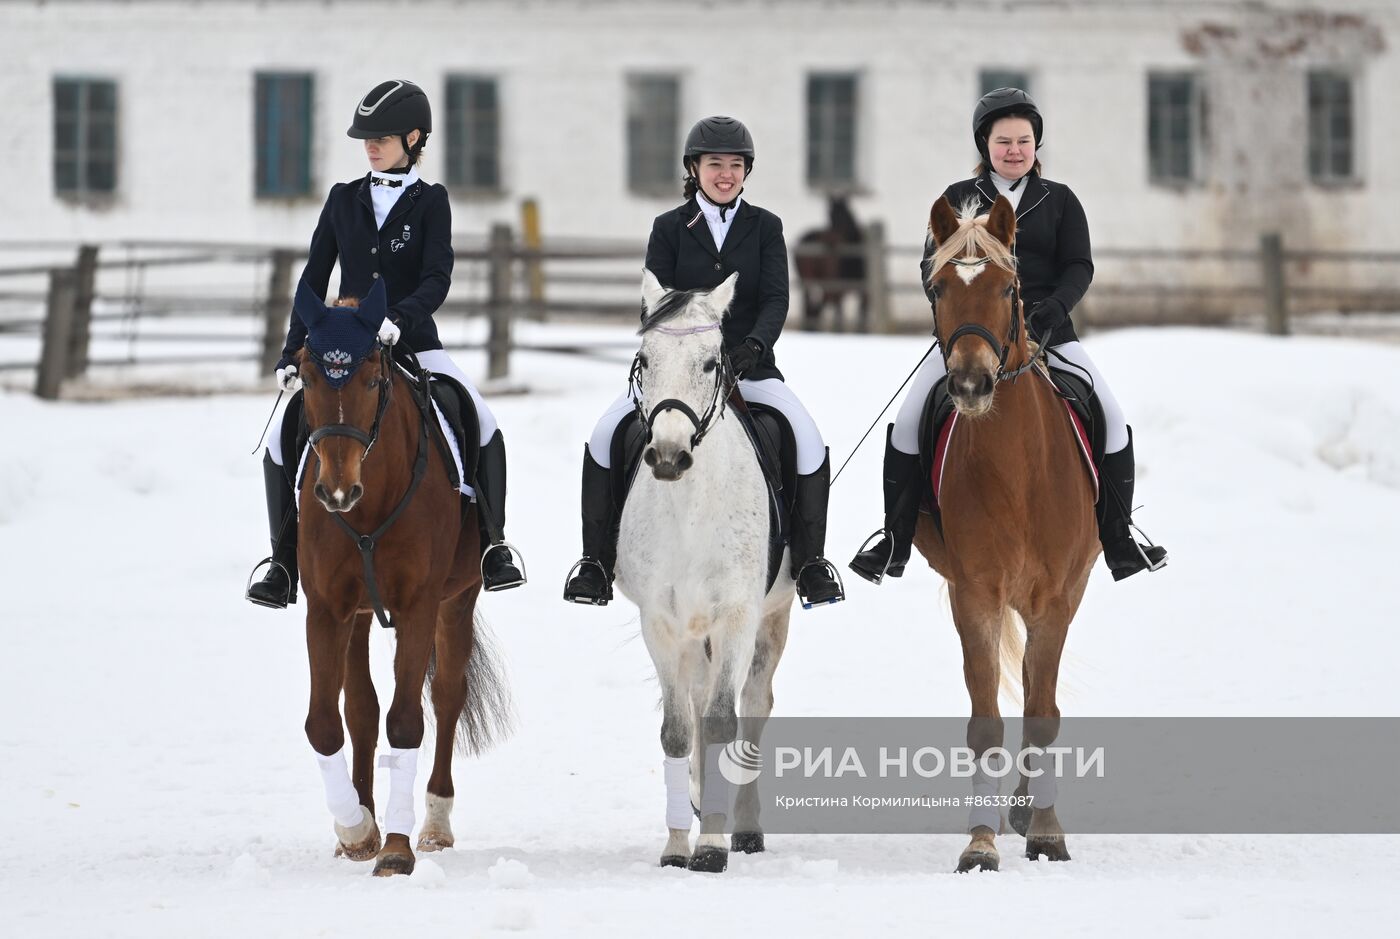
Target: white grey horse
(693,555)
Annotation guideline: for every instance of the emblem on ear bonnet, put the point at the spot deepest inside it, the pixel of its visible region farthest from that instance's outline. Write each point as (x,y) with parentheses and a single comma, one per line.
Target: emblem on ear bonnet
(339,338)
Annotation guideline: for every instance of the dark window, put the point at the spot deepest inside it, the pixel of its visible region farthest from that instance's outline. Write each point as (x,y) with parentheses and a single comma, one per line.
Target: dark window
(283,135)
(653,133)
(84,136)
(831,131)
(1174,127)
(1331,130)
(994,78)
(473,133)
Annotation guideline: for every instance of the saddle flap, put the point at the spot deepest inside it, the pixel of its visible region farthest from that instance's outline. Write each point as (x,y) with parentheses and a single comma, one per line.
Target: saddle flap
(457,407)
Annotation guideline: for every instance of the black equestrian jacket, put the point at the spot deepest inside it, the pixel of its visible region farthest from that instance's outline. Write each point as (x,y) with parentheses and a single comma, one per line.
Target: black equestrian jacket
(412,252)
(1052,250)
(682,255)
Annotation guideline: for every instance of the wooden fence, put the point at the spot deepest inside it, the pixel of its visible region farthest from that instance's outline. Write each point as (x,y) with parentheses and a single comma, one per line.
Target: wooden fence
(505,280)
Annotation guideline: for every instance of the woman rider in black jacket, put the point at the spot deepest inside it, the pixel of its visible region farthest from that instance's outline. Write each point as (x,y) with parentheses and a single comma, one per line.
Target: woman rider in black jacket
(695,247)
(1055,267)
(386,225)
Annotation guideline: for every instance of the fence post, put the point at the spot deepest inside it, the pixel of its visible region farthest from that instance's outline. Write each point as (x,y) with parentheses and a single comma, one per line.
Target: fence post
(1275,301)
(81,336)
(534,266)
(279,301)
(498,303)
(877,284)
(58,331)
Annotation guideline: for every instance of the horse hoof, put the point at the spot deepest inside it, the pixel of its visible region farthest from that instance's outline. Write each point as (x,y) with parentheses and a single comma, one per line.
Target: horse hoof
(396,858)
(978,860)
(746,842)
(1053,849)
(430,841)
(361,842)
(1020,817)
(674,860)
(709,860)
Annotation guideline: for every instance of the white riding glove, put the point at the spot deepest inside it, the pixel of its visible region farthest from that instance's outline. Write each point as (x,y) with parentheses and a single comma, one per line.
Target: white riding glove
(287,378)
(388,332)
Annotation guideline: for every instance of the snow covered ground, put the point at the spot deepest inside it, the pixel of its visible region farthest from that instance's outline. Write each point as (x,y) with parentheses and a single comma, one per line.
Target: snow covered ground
(155,779)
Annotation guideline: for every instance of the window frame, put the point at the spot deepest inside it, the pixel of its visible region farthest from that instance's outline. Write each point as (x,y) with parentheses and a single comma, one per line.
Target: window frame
(668,168)
(1195,111)
(81,154)
(269,187)
(462,148)
(832,184)
(1327,178)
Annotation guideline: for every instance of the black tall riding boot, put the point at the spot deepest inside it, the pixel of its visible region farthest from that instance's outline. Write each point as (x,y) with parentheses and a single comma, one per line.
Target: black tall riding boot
(890,554)
(1123,554)
(498,568)
(279,585)
(590,580)
(817,580)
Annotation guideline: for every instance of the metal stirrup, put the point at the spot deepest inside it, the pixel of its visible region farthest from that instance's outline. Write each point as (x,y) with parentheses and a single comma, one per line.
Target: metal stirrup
(885,568)
(578,566)
(835,575)
(271,563)
(1142,550)
(515,556)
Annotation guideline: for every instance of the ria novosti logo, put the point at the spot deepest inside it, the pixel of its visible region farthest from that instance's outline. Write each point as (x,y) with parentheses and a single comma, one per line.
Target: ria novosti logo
(740,762)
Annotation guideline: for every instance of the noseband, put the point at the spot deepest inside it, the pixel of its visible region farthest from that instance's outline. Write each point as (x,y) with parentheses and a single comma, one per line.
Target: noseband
(703,423)
(1013,331)
(350,430)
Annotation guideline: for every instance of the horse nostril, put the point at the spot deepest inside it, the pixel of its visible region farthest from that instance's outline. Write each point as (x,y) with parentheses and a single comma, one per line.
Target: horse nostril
(684,462)
(355,492)
(650,456)
(984,387)
(321,494)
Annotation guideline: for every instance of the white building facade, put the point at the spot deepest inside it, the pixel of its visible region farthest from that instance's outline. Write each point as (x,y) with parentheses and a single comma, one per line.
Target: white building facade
(1178,123)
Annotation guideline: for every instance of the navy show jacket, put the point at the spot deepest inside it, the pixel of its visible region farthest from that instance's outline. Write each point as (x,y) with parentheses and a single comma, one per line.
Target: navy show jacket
(411,252)
(682,254)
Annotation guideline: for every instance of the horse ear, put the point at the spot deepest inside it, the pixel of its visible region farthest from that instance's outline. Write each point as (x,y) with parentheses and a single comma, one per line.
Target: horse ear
(723,295)
(652,291)
(942,220)
(374,307)
(308,306)
(1001,224)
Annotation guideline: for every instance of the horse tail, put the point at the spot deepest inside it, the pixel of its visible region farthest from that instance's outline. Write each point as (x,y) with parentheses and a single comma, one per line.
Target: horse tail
(487,718)
(1012,645)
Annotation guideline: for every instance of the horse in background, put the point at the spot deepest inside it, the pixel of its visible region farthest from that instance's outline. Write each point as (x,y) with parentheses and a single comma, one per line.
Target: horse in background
(385,530)
(1019,535)
(831,266)
(693,552)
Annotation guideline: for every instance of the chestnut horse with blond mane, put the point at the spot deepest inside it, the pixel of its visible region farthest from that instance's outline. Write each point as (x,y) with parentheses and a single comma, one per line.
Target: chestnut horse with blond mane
(1019,535)
(384,533)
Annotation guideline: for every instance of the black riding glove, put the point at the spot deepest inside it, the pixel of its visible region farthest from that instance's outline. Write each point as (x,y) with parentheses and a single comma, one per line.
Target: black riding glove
(1046,316)
(744,356)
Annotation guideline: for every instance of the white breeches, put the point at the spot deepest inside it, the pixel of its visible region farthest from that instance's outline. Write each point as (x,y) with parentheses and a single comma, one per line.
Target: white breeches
(906,424)
(434,360)
(772,392)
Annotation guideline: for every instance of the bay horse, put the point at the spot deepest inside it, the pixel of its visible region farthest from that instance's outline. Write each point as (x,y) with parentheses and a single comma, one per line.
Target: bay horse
(830,266)
(693,555)
(387,533)
(1019,533)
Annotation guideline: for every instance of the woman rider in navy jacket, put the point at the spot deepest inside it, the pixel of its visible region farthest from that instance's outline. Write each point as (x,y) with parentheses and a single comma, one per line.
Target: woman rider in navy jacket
(695,247)
(388,225)
(1055,267)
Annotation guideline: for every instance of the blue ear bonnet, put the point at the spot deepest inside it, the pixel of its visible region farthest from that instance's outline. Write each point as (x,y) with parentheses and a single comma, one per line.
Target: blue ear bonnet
(340,338)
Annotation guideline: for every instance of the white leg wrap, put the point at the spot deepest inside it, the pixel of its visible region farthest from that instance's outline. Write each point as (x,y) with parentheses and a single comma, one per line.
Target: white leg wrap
(340,792)
(906,424)
(403,770)
(775,393)
(988,815)
(678,812)
(719,792)
(600,444)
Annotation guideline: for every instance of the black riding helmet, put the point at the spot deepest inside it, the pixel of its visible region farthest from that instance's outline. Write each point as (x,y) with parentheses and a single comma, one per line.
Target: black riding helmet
(393,109)
(1003,102)
(718,134)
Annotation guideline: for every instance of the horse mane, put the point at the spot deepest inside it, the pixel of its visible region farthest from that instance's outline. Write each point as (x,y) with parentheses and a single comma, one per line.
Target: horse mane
(972,239)
(671,307)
